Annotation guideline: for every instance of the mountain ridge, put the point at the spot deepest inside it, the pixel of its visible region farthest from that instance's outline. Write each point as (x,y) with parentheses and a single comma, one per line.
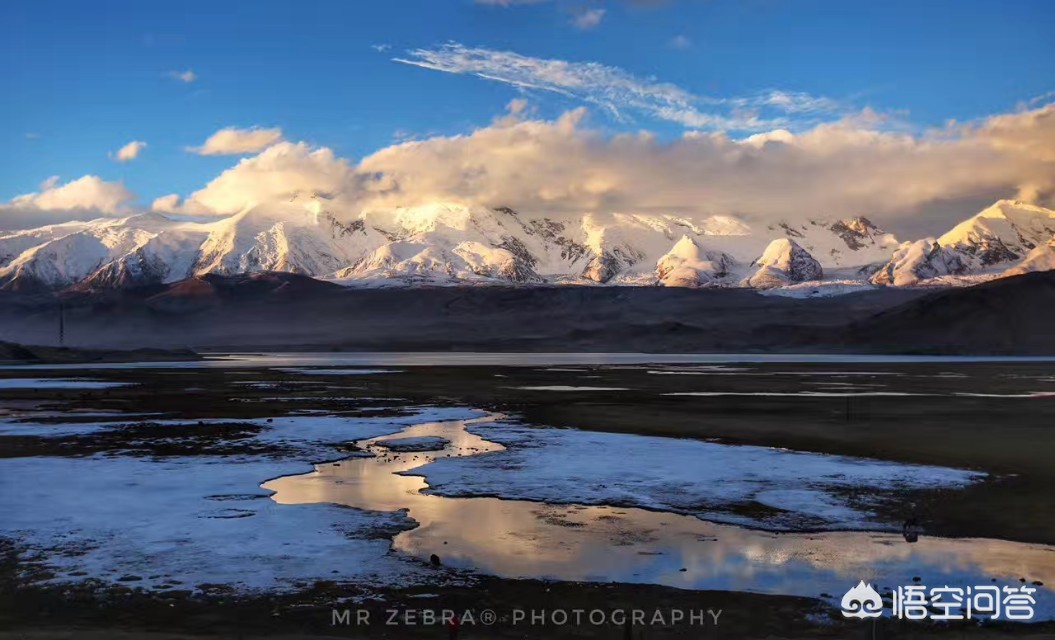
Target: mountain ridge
(453,244)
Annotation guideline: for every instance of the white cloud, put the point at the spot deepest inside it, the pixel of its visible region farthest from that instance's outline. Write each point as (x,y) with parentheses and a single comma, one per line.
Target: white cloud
(85,198)
(517,106)
(87,192)
(381,48)
(166,203)
(618,91)
(187,76)
(509,3)
(681,42)
(234,141)
(563,169)
(589,19)
(129,152)
(277,173)
(517,110)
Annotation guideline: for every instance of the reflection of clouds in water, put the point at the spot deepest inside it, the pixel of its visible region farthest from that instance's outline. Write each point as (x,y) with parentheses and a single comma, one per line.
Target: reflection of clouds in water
(744,372)
(562,387)
(798,394)
(1030,394)
(335,372)
(514,538)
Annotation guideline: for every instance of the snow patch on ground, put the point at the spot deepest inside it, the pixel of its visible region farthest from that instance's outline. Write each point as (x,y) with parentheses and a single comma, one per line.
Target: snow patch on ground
(708,480)
(819,289)
(195,520)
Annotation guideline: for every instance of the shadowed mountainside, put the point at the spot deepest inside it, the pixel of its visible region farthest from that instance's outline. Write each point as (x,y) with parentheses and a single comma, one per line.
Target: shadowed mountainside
(1011,315)
(287,311)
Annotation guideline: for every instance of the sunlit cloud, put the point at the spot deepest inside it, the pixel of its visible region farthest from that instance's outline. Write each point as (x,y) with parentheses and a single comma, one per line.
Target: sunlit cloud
(234,141)
(563,168)
(272,175)
(129,152)
(166,203)
(85,198)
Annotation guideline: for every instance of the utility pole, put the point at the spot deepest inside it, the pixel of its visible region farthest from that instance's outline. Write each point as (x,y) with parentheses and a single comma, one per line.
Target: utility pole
(62,324)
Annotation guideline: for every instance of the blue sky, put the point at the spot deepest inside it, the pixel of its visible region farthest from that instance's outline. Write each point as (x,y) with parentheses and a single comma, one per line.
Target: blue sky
(84,78)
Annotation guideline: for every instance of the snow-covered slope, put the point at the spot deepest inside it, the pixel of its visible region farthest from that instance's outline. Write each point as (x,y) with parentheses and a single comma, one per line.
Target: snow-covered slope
(450,243)
(687,264)
(1003,233)
(1007,238)
(783,262)
(1041,258)
(917,261)
(850,242)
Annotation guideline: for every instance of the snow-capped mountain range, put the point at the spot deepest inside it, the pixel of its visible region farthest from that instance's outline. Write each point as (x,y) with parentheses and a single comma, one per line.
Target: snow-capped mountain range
(455,244)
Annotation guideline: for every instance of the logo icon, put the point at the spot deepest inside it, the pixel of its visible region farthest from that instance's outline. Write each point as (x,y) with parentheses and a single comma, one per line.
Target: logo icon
(862,601)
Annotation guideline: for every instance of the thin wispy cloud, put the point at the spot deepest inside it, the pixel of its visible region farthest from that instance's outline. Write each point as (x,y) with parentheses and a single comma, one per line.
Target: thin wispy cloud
(681,42)
(508,3)
(187,76)
(621,93)
(1044,98)
(589,19)
(381,48)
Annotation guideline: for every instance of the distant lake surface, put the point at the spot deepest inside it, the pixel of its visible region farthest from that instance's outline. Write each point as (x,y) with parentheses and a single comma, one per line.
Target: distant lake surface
(468,359)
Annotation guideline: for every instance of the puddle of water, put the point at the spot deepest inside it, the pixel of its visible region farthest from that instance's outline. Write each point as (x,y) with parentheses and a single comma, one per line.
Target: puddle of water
(797,394)
(53,383)
(335,372)
(524,539)
(1032,394)
(564,387)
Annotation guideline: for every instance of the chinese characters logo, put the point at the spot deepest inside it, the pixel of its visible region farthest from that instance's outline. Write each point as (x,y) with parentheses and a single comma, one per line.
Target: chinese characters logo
(918,602)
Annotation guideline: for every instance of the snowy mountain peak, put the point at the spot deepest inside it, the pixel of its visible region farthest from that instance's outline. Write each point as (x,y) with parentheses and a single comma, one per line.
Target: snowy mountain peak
(685,248)
(687,264)
(859,232)
(917,261)
(783,262)
(1002,233)
(847,242)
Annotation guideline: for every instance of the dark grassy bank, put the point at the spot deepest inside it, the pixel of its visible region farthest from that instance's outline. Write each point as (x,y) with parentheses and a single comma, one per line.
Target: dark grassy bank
(36,354)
